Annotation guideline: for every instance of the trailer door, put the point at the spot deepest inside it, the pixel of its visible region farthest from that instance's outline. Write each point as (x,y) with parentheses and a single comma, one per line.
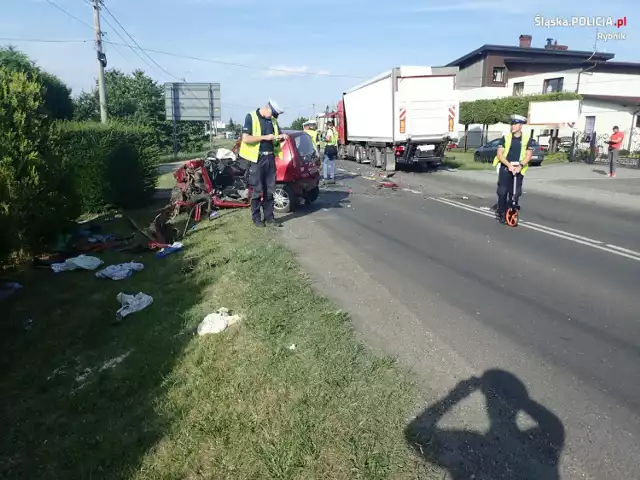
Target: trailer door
(427,108)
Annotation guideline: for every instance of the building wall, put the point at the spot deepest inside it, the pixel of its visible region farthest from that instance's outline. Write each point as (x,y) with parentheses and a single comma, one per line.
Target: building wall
(471,76)
(607,114)
(615,84)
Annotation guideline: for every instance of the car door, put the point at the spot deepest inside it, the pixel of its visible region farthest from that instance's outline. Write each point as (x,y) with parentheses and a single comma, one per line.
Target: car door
(490,149)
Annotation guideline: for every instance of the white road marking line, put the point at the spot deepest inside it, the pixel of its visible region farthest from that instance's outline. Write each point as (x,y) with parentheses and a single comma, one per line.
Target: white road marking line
(341,170)
(622,252)
(411,191)
(586,239)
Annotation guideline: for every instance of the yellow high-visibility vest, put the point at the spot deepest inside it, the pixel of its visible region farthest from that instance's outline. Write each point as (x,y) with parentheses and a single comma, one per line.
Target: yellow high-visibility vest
(314,135)
(334,137)
(523,150)
(251,151)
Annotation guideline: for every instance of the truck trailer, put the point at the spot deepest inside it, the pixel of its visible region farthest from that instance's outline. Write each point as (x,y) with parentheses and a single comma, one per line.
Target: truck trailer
(405,116)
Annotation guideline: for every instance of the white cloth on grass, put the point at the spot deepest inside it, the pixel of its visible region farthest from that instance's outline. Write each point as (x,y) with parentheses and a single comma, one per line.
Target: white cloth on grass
(83,262)
(217,322)
(132,303)
(120,271)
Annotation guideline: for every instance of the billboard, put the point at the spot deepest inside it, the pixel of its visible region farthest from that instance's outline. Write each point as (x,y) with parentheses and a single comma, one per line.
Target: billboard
(192,102)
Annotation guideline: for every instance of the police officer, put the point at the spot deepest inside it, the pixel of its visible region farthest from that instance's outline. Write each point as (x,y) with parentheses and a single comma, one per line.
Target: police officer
(514,152)
(313,133)
(260,145)
(330,153)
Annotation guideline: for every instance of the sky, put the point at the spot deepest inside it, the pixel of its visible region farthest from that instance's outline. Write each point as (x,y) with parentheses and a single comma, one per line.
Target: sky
(315,50)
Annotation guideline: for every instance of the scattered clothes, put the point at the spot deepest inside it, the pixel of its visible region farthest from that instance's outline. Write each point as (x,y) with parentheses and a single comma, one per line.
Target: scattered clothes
(292,347)
(120,271)
(132,303)
(83,262)
(217,322)
(213,215)
(8,288)
(391,185)
(100,238)
(174,247)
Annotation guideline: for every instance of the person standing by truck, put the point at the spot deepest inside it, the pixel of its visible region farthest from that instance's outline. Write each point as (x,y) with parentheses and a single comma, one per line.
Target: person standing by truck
(260,146)
(330,153)
(615,144)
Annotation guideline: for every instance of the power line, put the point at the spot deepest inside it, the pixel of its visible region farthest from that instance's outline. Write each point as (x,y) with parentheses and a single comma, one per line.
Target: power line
(42,40)
(136,43)
(55,5)
(233,64)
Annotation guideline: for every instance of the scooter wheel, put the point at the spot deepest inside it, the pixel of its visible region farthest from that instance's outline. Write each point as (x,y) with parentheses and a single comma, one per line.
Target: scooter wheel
(512,217)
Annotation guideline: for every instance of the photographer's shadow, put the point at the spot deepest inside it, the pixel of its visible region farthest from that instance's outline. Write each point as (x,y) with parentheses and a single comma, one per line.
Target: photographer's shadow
(503,452)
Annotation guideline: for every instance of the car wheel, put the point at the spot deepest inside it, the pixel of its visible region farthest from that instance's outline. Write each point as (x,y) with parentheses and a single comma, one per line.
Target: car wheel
(284,199)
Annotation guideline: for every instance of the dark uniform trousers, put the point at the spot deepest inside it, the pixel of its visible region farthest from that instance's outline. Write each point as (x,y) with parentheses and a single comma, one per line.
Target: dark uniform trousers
(262,178)
(505,188)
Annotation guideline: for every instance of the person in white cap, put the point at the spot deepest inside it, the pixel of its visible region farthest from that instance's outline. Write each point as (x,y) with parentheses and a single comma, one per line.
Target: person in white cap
(514,152)
(260,145)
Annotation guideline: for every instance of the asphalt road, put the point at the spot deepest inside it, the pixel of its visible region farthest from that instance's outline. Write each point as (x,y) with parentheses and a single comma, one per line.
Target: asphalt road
(553,302)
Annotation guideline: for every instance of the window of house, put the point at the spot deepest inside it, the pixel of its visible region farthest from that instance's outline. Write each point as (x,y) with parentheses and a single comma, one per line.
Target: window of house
(498,74)
(552,85)
(589,124)
(518,89)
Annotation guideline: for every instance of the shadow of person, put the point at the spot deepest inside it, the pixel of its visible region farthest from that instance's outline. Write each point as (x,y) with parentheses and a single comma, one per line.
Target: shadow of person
(504,451)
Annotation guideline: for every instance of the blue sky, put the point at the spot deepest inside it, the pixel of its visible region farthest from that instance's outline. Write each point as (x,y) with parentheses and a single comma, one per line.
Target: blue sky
(345,38)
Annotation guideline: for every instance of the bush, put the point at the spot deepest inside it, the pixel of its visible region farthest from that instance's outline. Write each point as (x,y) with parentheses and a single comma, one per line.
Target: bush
(115,164)
(558,157)
(37,198)
(498,110)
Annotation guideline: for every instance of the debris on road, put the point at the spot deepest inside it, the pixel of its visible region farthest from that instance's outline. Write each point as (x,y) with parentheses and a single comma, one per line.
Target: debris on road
(217,322)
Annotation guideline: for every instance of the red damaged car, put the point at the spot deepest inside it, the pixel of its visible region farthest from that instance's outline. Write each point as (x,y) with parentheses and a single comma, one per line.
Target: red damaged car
(297,174)
(214,182)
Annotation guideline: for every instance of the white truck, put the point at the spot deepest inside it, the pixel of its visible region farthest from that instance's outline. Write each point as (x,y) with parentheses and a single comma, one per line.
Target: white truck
(405,116)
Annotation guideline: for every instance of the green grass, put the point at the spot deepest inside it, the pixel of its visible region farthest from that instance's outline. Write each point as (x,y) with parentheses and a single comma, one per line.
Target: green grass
(238,405)
(464,161)
(166,181)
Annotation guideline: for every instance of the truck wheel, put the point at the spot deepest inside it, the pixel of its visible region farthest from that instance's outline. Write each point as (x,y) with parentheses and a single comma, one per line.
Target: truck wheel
(388,160)
(342,152)
(358,154)
(378,157)
(284,199)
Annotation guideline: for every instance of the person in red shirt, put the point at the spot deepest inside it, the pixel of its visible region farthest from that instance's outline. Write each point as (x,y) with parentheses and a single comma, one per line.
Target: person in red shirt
(615,143)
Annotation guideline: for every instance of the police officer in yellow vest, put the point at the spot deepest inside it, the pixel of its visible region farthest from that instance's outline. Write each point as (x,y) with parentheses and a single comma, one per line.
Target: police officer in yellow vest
(514,152)
(313,133)
(330,153)
(260,145)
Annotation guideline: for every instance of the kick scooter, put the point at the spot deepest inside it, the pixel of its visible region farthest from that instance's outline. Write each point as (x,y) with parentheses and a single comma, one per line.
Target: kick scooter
(512,212)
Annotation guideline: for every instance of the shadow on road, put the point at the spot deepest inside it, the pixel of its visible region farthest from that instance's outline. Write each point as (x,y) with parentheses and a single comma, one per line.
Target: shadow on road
(505,451)
(599,171)
(336,197)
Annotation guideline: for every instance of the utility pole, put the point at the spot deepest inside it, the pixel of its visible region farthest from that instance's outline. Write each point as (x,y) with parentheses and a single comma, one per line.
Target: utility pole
(102,61)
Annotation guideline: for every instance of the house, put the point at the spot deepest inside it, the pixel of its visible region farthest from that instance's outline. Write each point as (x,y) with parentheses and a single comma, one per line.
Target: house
(611,90)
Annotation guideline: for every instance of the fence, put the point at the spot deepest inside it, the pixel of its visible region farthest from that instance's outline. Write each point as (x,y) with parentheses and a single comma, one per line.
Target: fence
(593,148)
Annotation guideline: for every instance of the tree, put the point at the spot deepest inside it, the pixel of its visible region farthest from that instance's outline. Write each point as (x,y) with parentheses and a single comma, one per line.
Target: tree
(297,124)
(231,126)
(57,102)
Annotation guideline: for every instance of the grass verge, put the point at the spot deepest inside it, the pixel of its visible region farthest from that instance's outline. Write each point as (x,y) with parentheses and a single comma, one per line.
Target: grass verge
(218,143)
(147,399)
(464,161)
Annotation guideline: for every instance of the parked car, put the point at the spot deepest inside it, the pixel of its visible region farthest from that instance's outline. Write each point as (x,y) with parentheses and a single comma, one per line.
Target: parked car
(487,152)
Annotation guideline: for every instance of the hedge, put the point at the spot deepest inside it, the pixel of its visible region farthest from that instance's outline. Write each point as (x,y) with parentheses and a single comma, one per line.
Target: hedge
(114,164)
(498,110)
(37,194)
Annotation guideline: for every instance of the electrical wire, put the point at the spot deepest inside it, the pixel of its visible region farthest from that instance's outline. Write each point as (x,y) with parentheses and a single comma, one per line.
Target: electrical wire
(55,5)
